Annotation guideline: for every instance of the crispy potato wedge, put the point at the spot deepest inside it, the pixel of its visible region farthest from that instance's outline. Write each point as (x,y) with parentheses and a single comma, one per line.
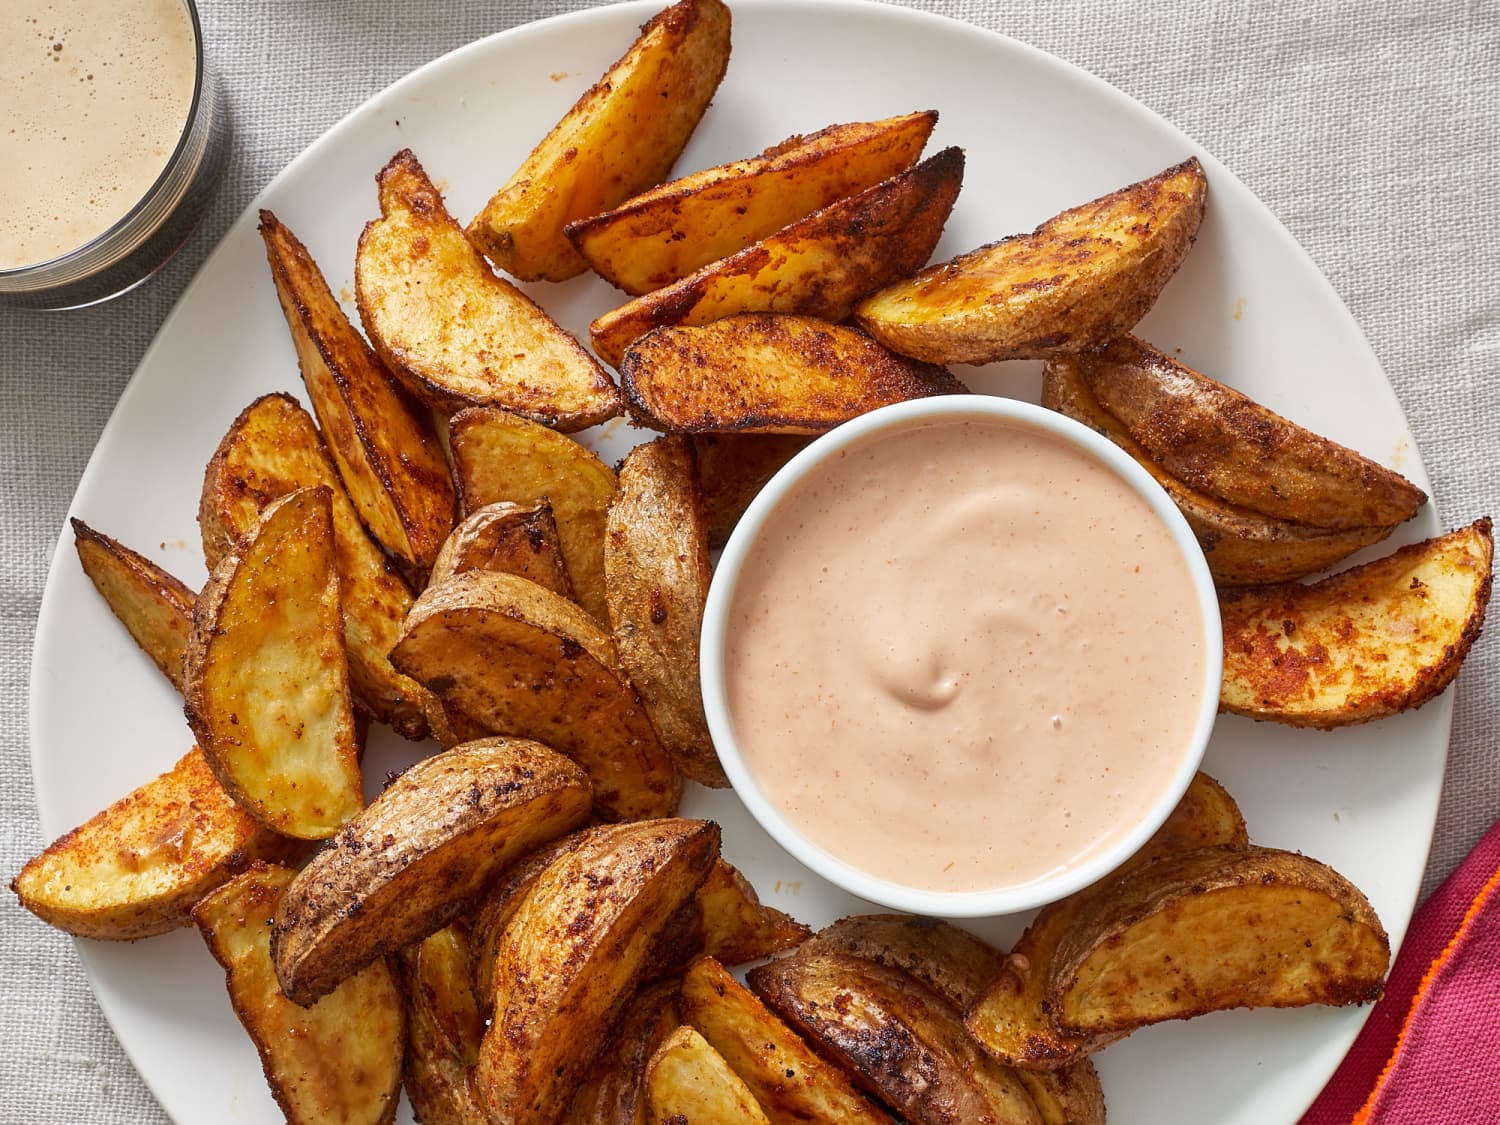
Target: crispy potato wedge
(155,608)
(768,373)
(896,1037)
(456,333)
(621,137)
(656,573)
(818,266)
(614,1090)
(339,1060)
(510,539)
(725,920)
(1011,1018)
(519,660)
(139,867)
(732,469)
(1228,927)
(1243,548)
(443,1029)
(1365,643)
(265,680)
(273,449)
(952,962)
(457,819)
(572,954)
(791,1082)
(381,439)
(688,1081)
(1216,440)
(1076,282)
(1070,1096)
(666,233)
(499,456)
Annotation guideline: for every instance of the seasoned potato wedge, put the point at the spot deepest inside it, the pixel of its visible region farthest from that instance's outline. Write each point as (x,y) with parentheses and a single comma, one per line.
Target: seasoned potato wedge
(382,440)
(573,953)
(139,867)
(519,660)
(155,608)
(1079,280)
(1070,1096)
(768,373)
(614,1090)
(1217,440)
(952,962)
(791,1082)
(499,456)
(687,1080)
(1366,643)
(656,573)
(443,1029)
(1229,927)
(899,1039)
(265,679)
(273,449)
(453,331)
(732,469)
(456,819)
(669,231)
(339,1060)
(1243,548)
(818,266)
(726,920)
(510,539)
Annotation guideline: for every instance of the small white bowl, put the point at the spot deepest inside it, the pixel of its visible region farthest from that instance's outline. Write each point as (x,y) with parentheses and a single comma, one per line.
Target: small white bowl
(952,904)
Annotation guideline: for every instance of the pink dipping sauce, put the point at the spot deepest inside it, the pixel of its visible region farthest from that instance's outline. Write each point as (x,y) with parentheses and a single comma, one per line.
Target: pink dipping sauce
(963,654)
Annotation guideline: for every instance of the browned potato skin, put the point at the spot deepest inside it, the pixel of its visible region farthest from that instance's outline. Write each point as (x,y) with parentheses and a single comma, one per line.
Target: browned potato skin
(1365,643)
(952,962)
(1075,283)
(1219,441)
(1217,928)
(339,1060)
(1070,1096)
(155,608)
(1242,548)
(510,539)
(456,333)
(443,1027)
(732,469)
(622,136)
(613,1092)
(572,954)
(138,868)
(273,449)
(656,573)
(519,660)
(896,1037)
(768,373)
(667,232)
(382,440)
(457,819)
(818,266)
(725,920)
(688,1081)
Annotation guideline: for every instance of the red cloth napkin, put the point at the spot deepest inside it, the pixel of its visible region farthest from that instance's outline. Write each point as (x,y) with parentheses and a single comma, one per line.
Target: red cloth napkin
(1430,1052)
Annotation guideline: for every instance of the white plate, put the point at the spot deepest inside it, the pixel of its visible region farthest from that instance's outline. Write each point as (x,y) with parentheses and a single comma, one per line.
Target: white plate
(1248,306)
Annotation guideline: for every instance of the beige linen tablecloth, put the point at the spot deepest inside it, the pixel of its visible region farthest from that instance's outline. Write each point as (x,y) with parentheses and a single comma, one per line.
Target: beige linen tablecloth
(1372,129)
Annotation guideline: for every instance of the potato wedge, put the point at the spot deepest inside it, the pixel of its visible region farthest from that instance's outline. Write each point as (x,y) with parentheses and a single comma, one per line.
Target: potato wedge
(1229,927)
(725,920)
(1365,643)
(1243,548)
(456,819)
(1076,282)
(155,608)
(1219,441)
(791,1082)
(621,137)
(572,954)
(952,962)
(896,1037)
(381,439)
(818,266)
(1070,1096)
(688,1081)
(768,373)
(510,539)
(519,660)
(456,333)
(614,1090)
(656,573)
(339,1060)
(443,1029)
(273,449)
(139,867)
(265,680)
(666,233)
(499,456)
(732,469)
